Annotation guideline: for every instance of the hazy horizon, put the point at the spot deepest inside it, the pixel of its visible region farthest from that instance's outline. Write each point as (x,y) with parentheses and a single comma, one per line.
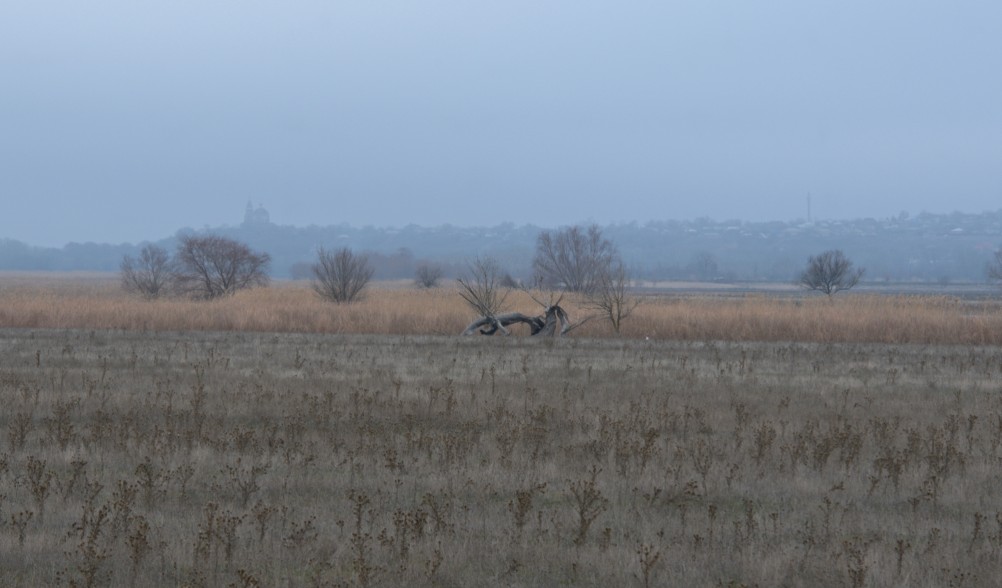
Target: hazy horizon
(122,122)
(238,220)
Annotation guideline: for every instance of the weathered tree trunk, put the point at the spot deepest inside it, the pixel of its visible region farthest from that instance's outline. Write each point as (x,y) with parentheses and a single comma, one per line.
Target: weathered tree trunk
(552,323)
(489,325)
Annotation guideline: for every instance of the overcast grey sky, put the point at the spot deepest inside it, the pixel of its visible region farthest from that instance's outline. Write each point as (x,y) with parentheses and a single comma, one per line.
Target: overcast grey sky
(123,120)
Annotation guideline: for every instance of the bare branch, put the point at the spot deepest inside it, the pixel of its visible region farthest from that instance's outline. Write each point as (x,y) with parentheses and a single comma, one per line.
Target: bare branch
(573,259)
(151,275)
(340,276)
(830,272)
(994,268)
(427,275)
(612,298)
(212,266)
(482,287)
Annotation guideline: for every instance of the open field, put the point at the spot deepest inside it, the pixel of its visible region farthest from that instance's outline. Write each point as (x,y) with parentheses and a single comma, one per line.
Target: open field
(97,302)
(246,459)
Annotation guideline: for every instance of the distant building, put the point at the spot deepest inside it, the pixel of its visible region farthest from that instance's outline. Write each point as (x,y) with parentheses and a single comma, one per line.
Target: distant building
(256,216)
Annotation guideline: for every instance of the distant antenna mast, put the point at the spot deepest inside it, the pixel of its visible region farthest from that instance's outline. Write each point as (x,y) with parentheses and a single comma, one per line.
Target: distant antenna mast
(809,207)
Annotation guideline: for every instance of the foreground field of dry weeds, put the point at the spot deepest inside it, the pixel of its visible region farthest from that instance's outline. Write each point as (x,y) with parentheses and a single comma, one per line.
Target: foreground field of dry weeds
(244,459)
(97,302)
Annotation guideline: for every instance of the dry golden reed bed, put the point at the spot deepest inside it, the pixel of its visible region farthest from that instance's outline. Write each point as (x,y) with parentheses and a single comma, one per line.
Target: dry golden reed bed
(97,302)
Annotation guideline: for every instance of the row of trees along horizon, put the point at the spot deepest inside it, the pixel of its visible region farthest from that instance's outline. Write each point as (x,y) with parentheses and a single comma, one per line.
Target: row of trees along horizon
(576,259)
(929,248)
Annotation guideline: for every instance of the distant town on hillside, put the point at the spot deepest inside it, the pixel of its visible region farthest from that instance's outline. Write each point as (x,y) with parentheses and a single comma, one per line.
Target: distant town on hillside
(929,248)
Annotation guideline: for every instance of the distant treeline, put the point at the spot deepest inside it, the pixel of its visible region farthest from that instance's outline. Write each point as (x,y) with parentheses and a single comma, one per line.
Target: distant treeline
(926,247)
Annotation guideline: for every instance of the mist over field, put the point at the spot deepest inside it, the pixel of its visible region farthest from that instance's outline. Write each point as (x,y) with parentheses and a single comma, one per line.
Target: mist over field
(653,205)
(692,405)
(939,250)
(122,122)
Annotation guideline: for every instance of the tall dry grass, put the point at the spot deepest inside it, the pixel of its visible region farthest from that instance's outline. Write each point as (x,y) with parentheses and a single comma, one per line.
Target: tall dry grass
(863,318)
(282,308)
(99,303)
(304,461)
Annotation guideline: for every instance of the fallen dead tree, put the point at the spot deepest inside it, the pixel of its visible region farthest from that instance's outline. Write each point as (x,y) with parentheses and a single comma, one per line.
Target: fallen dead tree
(554,322)
(485,288)
(546,324)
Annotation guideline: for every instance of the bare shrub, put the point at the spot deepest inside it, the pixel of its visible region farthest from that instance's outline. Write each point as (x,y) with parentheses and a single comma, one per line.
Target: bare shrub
(611,296)
(588,502)
(483,287)
(151,275)
(994,268)
(427,275)
(340,276)
(703,266)
(211,266)
(574,259)
(830,272)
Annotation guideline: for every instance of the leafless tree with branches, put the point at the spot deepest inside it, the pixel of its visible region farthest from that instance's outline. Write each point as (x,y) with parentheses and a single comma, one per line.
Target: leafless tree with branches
(612,298)
(341,276)
(994,268)
(151,275)
(482,286)
(211,266)
(427,275)
(573,259)
(830,272)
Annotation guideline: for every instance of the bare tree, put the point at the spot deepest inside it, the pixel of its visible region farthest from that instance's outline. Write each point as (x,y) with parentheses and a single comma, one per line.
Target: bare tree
(482,286)
(703,266)
(151,275)
(573,259)
(340,276)
(612,298)
(211,266)
(994,268)
(427,275)
(830,272)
